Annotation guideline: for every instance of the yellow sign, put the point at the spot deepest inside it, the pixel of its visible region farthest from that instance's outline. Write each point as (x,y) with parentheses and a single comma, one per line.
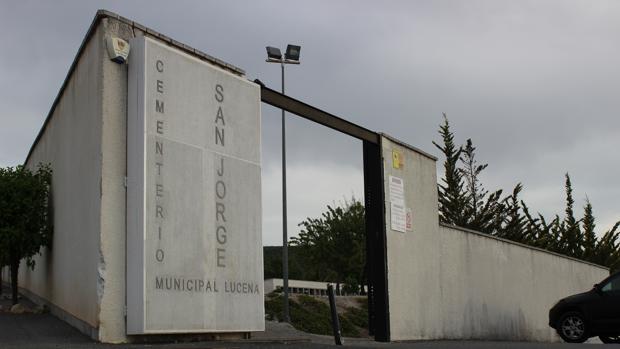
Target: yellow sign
(397,159)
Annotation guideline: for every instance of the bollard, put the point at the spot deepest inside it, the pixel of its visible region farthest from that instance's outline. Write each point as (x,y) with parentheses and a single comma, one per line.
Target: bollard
(335,321)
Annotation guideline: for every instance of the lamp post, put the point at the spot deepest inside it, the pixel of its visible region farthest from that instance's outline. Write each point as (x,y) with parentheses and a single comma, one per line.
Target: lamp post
(290,57)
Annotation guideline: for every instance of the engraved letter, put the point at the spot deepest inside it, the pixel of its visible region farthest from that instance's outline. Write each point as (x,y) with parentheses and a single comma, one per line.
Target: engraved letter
(159,65)
(220,189)
(159,212)
(219,136)
(219,93)
(159,165)
(221,257)
(159,283)
(220,172)
(221,234)
(159,255)
(160,86)
(159,106)
(220,116)
(159,148)
(160,127)
(219,211)
(159,190)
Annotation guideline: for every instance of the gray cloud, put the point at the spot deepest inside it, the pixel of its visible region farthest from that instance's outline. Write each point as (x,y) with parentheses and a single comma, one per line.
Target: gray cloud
(533,83)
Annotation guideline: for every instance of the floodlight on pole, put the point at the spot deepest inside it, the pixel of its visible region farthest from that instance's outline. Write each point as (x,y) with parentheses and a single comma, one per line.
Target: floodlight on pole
(292,54)
(274,55)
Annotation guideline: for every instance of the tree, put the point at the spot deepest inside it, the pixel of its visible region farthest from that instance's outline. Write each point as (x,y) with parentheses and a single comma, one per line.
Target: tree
(607,251)
(471,171)
(463,201)
(25,222)
(452,195)
(571,239)
(515,225)
(335,243)
(589,243)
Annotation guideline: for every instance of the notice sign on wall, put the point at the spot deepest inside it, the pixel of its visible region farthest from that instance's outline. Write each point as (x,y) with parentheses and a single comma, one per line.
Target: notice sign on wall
(194,245)
(398,216)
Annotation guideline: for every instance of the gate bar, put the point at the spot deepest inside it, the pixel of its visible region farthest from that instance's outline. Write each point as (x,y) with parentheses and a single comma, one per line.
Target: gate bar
(311,113)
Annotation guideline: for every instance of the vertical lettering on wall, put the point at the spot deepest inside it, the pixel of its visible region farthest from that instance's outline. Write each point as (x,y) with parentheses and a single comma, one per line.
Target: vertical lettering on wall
(193,225)
(220,185)
(219,116)
(160,215)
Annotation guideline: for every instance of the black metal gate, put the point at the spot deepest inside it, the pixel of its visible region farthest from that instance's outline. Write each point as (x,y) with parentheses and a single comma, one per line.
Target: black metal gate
(374,197)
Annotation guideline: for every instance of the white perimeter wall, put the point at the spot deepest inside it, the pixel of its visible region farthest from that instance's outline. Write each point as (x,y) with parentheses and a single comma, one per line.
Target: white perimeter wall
(496,289)
(82,276)
(67,274)
(449,283)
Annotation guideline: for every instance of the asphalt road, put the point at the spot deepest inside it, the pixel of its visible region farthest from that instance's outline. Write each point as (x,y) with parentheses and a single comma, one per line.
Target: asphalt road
(39,331)
(43,331)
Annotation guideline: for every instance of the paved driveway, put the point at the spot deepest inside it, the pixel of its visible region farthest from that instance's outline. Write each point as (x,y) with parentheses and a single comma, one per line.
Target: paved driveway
(43,331)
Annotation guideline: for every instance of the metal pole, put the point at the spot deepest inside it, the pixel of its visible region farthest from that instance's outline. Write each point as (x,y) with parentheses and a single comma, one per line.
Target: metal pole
(284,214)
(335,322)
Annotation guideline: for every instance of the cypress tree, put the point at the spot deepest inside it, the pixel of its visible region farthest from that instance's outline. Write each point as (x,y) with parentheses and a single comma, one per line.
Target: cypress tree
(572,239)
(470,171)
(556,241)
(607,252)
(483,211)
(589,243)
(464,202)
(452,196)
(515,226)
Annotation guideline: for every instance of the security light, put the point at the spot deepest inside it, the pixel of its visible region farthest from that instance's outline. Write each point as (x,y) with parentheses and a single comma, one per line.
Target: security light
(273,53)
(118,49)
(292,53)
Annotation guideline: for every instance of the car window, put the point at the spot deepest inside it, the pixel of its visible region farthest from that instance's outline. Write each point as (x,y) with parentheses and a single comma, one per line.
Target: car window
(612,285)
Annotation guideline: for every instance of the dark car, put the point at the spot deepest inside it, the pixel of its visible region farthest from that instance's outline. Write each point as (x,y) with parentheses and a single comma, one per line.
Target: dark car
(593,313)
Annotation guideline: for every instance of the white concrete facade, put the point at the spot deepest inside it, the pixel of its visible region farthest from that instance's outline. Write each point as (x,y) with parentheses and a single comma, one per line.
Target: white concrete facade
(450,283)
(82,277)
(72,144)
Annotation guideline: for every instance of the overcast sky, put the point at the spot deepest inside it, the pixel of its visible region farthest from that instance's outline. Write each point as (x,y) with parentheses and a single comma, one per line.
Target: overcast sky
(535,84)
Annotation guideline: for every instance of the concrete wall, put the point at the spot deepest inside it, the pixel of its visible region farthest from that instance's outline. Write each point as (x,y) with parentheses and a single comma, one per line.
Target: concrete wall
(67,274)
(84,141)
(496,289)
(82,276)
(450,283)
(113,206)
(412,255)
